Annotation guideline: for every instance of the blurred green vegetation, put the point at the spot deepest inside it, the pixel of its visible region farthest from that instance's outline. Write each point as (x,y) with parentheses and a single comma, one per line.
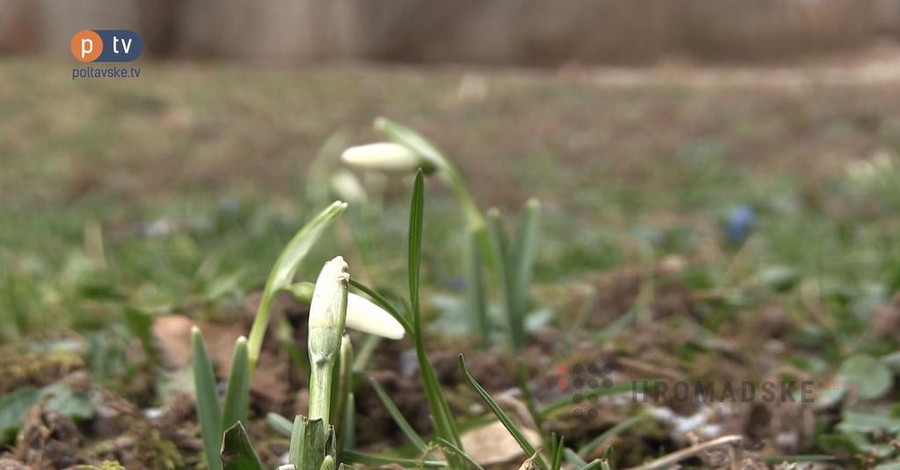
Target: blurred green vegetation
(175,192)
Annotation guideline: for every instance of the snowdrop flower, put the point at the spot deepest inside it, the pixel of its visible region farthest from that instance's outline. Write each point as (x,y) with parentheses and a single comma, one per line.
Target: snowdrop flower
(362,314)
(385,156)
(365,316)
(348,187)
(327,311)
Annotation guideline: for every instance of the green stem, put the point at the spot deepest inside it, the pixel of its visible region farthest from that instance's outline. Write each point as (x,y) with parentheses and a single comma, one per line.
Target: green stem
(320,382)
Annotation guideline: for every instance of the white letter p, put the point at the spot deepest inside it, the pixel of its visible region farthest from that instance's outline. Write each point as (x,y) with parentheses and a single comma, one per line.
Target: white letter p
(87,47)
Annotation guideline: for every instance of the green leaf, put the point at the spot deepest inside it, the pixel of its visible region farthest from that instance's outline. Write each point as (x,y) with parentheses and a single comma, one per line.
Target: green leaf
(208,411)
(505,278)
(283,272)
(869,376)
(369,459)
(476,298)
(559,445)
(62,399)
(237,452)
(459,453)
(501,415)
(310,443)
(237,396)
(526,253)
(609,434)
(398,417)
(445,425)
(139,324)
(280,424)
(416,220)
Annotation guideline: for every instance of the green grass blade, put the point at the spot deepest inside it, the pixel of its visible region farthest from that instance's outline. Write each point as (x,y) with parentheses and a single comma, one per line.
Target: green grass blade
(476,298)
(504,271)
(459,452)
(237,451)
(237,395)
(558,446)
(445,425)
(586,450)
(398,417)
(416,220)
(527,396)
(369,459)
(501,415)
(348,433)
(280,424)
(526,249)
(573,458)
(208,411)
(283,273)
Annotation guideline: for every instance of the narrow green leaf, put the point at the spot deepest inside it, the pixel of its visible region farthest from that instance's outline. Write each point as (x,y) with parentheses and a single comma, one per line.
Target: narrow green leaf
(280,424)
(398,417)
(505,270)
(237,395)
(208,410)
(573,458)
(348,433)
(369,459)
(237,451)
(445,425)
(460,453)
(283,273)
(528,397)
(526,250)
(416,220)
(501,415)
(559,445)
(476,298)
(619,428)
(140,324)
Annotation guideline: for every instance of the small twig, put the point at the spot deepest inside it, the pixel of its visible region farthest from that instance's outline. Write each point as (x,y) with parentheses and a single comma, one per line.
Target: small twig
(680,455)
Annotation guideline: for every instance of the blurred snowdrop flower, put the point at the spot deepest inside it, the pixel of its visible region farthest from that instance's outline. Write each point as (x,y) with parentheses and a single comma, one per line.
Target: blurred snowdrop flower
(386,157)
(348,187)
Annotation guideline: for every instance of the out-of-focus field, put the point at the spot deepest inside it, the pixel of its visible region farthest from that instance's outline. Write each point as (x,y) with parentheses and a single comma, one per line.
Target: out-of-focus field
(175,192)
(215,159)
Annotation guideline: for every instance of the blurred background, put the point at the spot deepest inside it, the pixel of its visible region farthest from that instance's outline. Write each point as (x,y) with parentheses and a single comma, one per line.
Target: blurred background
(728,167)
(511,32)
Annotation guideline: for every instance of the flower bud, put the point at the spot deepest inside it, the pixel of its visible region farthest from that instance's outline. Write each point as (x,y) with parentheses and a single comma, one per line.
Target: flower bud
(327,311)
(385,156)
(365,316)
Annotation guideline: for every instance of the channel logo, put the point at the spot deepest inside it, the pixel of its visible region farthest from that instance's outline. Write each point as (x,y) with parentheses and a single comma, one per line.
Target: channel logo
(106,45)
